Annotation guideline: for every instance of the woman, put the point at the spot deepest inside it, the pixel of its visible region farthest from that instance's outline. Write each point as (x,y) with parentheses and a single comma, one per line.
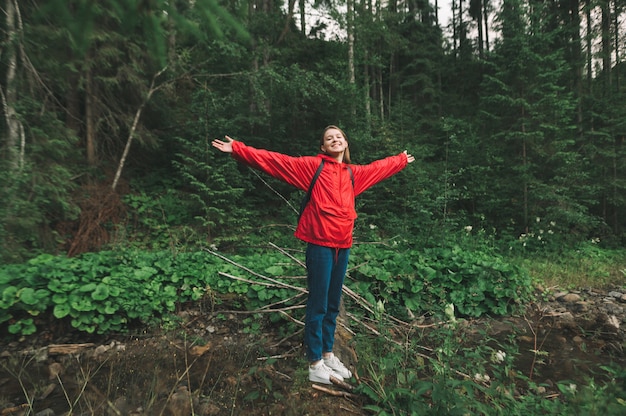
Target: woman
(326,225)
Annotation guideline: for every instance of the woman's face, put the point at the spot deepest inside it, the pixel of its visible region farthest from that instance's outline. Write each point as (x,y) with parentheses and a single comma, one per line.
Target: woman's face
(334,144)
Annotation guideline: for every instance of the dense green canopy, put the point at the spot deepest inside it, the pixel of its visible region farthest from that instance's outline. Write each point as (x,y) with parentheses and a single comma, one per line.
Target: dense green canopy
(514,111)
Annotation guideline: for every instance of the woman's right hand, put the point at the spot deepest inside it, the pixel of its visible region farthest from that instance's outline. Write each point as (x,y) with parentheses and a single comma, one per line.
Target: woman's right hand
(224,146)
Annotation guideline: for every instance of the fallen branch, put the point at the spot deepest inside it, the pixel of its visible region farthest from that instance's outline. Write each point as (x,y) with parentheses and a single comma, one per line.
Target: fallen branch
(332,392)
(372,330)
(255,311)
(291,318)
(300,262)
(254,282)
(341,383)
(15,409)
(275,357)
(282,301)
(68,348)
(253,272)
(298,332)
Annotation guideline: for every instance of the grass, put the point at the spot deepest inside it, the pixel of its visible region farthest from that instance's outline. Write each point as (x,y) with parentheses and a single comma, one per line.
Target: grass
(586,266)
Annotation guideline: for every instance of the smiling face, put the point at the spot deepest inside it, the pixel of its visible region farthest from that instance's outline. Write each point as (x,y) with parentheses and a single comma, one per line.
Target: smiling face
(334,143)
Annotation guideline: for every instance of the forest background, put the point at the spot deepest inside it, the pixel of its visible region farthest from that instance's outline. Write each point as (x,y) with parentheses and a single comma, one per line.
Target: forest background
(114,207)
(515,111)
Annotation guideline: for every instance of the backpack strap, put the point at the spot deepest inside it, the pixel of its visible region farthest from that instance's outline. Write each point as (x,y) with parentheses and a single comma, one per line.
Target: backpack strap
(307,197)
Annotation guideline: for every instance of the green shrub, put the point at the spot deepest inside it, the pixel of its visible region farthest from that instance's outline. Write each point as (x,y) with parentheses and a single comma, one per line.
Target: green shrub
(102,292)
(476,281)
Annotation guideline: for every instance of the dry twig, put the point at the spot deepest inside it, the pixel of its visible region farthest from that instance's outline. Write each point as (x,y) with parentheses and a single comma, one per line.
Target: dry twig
(332,392)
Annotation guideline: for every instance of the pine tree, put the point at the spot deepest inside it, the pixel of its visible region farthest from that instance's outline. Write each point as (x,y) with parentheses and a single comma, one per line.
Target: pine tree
(527,121)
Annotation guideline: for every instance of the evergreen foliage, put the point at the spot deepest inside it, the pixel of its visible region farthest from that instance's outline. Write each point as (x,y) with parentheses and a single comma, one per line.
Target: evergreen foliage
(504,133)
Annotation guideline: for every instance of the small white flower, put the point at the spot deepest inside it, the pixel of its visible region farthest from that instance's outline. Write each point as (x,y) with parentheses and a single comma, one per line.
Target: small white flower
(449,311)
(498,356)
(468,229)
(373,226)
(538,219)
(552,223)
(550,232)
(481,377)
(213,247)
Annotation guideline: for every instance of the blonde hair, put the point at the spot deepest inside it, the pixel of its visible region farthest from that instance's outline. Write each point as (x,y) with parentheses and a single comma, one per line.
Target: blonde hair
(346,154)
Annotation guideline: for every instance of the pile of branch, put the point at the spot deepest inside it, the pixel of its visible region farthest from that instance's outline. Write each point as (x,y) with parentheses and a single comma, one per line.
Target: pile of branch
(301,291)
(99,208)
(360,301)
(300,303)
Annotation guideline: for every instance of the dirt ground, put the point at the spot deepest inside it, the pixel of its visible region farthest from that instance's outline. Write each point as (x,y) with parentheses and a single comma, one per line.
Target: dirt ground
(212,363)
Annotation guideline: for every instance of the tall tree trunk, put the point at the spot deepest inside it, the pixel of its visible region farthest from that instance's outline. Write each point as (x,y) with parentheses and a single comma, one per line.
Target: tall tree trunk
(577,60)
(588,42)
(303,17)
(14,133)
(476,11)
(607,45)
(616,38)
(455,36)
(90,122)
(461,28)
(486,20)
(133,128)
(288,20)
(351,64)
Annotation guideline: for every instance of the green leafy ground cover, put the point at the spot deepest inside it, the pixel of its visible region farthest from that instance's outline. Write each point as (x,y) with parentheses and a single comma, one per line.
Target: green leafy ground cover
(445,369)
(105,291)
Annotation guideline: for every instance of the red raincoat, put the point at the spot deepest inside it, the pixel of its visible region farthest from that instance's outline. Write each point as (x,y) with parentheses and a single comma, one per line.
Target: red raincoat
(328,219)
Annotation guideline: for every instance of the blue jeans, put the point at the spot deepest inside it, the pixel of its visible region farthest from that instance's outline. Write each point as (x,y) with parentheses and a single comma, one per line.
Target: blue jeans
(326,269)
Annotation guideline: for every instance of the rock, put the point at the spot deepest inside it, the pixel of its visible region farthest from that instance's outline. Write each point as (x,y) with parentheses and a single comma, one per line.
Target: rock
(613,322)
(100,349)
(180,402)
(120,407)
(581,306)
(569,298)
(613,309)
(198,350)
(567,320)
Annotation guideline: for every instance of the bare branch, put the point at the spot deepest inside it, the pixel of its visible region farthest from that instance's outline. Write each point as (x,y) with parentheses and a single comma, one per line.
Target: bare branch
(133,128)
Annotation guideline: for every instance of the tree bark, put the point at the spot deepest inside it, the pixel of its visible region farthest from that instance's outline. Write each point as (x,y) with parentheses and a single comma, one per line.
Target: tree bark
(350,31)
(90,123)
(486,20)
(15,138)
(303,17)
(607,45)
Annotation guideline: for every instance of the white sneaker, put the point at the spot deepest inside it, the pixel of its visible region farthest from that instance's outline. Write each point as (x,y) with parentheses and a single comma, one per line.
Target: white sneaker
(337,366)
(321,374)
